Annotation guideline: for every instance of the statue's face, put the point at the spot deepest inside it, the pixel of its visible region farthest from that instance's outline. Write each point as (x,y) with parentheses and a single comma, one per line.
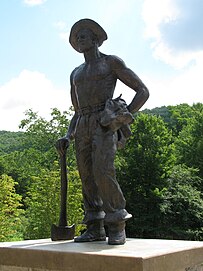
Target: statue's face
(85,40)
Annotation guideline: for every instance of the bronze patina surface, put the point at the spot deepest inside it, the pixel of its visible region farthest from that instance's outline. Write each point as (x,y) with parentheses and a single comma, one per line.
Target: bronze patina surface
(99,126)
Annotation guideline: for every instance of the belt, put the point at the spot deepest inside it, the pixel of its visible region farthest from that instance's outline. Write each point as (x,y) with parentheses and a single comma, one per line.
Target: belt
(88,110)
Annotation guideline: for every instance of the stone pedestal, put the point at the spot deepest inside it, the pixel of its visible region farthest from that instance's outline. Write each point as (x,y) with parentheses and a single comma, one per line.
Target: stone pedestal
(135,255)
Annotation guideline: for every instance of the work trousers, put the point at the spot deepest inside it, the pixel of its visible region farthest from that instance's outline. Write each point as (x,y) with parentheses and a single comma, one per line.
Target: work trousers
(95,151)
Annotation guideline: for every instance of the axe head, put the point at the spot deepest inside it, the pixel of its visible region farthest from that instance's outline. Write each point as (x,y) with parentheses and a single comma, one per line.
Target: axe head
(62,232)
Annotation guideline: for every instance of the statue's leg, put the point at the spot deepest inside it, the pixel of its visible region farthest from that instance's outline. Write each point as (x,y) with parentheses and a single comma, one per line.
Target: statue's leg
(94,214)
(105,146)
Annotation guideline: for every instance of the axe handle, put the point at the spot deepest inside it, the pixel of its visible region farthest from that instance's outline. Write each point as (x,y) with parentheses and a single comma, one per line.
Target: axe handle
(64,189)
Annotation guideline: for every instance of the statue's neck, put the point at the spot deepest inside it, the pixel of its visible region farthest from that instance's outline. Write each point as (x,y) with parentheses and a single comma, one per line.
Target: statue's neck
(92,54)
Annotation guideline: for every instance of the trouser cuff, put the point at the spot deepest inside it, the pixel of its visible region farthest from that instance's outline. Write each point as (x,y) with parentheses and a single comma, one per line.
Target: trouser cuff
(117,216)
(93,215)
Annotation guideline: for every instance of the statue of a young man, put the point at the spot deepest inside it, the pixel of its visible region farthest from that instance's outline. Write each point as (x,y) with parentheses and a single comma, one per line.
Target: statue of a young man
(98,126)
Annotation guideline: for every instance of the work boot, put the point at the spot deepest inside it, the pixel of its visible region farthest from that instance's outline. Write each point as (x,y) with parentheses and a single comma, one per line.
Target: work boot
(95,232)
(116,233)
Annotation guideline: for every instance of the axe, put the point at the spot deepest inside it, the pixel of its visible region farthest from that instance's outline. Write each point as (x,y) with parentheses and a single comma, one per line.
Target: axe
(63,231)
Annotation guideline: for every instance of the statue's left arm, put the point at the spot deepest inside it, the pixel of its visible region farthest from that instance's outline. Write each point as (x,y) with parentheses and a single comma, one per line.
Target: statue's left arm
(130,79)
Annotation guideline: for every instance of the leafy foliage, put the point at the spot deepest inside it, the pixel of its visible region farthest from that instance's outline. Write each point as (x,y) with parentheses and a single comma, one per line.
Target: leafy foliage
(182,206)
(148,160)
(180,116)
(11,141)
(43,201)
(10,210)
(163,112)
(189,144)
(37,171)
(160,172)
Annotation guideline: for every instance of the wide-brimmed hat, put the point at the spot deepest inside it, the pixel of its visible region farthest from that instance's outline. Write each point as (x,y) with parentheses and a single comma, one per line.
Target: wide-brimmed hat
(87,24)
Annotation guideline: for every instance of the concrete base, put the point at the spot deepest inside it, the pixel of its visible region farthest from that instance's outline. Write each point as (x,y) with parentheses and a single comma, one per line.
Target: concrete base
(135,255)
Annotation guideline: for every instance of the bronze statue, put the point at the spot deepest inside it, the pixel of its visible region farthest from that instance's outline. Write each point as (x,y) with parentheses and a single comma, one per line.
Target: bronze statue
(99,126)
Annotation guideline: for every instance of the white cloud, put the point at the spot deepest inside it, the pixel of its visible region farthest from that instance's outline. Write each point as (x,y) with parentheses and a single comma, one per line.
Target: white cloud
(34,2)
(156,12)
(60,25)
(174,29)
(31,89)
(114,11)
(176,59)
(182,88)
(64,36)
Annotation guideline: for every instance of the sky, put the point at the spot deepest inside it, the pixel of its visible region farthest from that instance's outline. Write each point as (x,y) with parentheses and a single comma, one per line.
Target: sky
(160,40)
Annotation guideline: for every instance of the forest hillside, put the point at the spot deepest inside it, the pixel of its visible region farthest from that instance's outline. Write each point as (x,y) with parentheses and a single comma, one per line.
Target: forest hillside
(160,171)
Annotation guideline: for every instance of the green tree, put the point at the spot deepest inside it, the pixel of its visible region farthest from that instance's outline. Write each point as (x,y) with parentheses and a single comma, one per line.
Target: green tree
(11,214)
(180,116)
(42,135)
(39,150)
(43,203)
(37,171)
(21,166)
(162,112)
(189,144)
(10,141)
(182,206)
(147,160)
